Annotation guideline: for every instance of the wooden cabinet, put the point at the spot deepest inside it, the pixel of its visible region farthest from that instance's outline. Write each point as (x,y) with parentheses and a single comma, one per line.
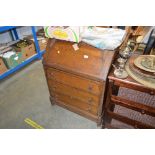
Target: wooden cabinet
(77,78)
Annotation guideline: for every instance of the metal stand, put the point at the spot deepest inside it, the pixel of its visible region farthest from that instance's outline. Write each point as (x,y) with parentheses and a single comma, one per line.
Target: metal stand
(38,54)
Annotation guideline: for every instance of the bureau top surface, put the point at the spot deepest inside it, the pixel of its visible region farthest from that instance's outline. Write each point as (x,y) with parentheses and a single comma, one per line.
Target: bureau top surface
(86,60)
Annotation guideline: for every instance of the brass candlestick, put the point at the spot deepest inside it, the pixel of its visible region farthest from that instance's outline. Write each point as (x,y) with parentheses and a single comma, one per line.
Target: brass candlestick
(120,71)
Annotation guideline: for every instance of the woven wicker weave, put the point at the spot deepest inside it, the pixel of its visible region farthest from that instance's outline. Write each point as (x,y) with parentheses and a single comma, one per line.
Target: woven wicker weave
(138,97)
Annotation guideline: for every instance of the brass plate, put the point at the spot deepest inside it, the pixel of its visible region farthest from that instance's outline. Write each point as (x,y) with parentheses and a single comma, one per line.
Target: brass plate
(148,82)
(149,62)
(141,63)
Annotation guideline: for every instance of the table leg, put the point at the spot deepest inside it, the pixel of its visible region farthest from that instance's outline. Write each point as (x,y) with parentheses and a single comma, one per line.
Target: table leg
(112,90)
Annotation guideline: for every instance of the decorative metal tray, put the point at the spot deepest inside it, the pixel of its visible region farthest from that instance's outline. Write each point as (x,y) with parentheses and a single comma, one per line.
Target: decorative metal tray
(139,71)
(145,62)
(149,62)
(148,82)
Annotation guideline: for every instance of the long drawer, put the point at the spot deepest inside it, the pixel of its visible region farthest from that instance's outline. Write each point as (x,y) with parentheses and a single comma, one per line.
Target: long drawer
(84,96)
(73,102)
(88,85)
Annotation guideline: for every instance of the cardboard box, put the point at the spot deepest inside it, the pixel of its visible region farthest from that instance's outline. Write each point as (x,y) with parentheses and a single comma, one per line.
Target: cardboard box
(3,67)
(27,51)
(42,40)
(27,54)
(43,44)
(41,33)
(12,59)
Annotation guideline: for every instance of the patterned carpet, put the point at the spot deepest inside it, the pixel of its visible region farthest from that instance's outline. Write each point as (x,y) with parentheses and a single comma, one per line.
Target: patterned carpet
(138,97)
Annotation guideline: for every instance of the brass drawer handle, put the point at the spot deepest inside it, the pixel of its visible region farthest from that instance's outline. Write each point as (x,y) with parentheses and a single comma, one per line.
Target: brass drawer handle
(90,88)
(54,88)
(89,108)
(52,73)
(151,93)
(90,100)
(135,126)
(142,112)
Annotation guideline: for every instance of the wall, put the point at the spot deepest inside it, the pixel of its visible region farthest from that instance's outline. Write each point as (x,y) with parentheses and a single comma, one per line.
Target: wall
(22,32)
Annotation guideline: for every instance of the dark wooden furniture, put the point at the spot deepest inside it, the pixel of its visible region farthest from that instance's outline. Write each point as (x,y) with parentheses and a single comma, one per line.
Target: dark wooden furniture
(151,43)
(77,78)
(138,35)
(134,111)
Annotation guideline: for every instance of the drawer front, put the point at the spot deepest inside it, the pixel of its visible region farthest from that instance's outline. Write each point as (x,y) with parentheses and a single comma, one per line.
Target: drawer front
(132,117)
(70,101)
(88,85)
(84,96)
